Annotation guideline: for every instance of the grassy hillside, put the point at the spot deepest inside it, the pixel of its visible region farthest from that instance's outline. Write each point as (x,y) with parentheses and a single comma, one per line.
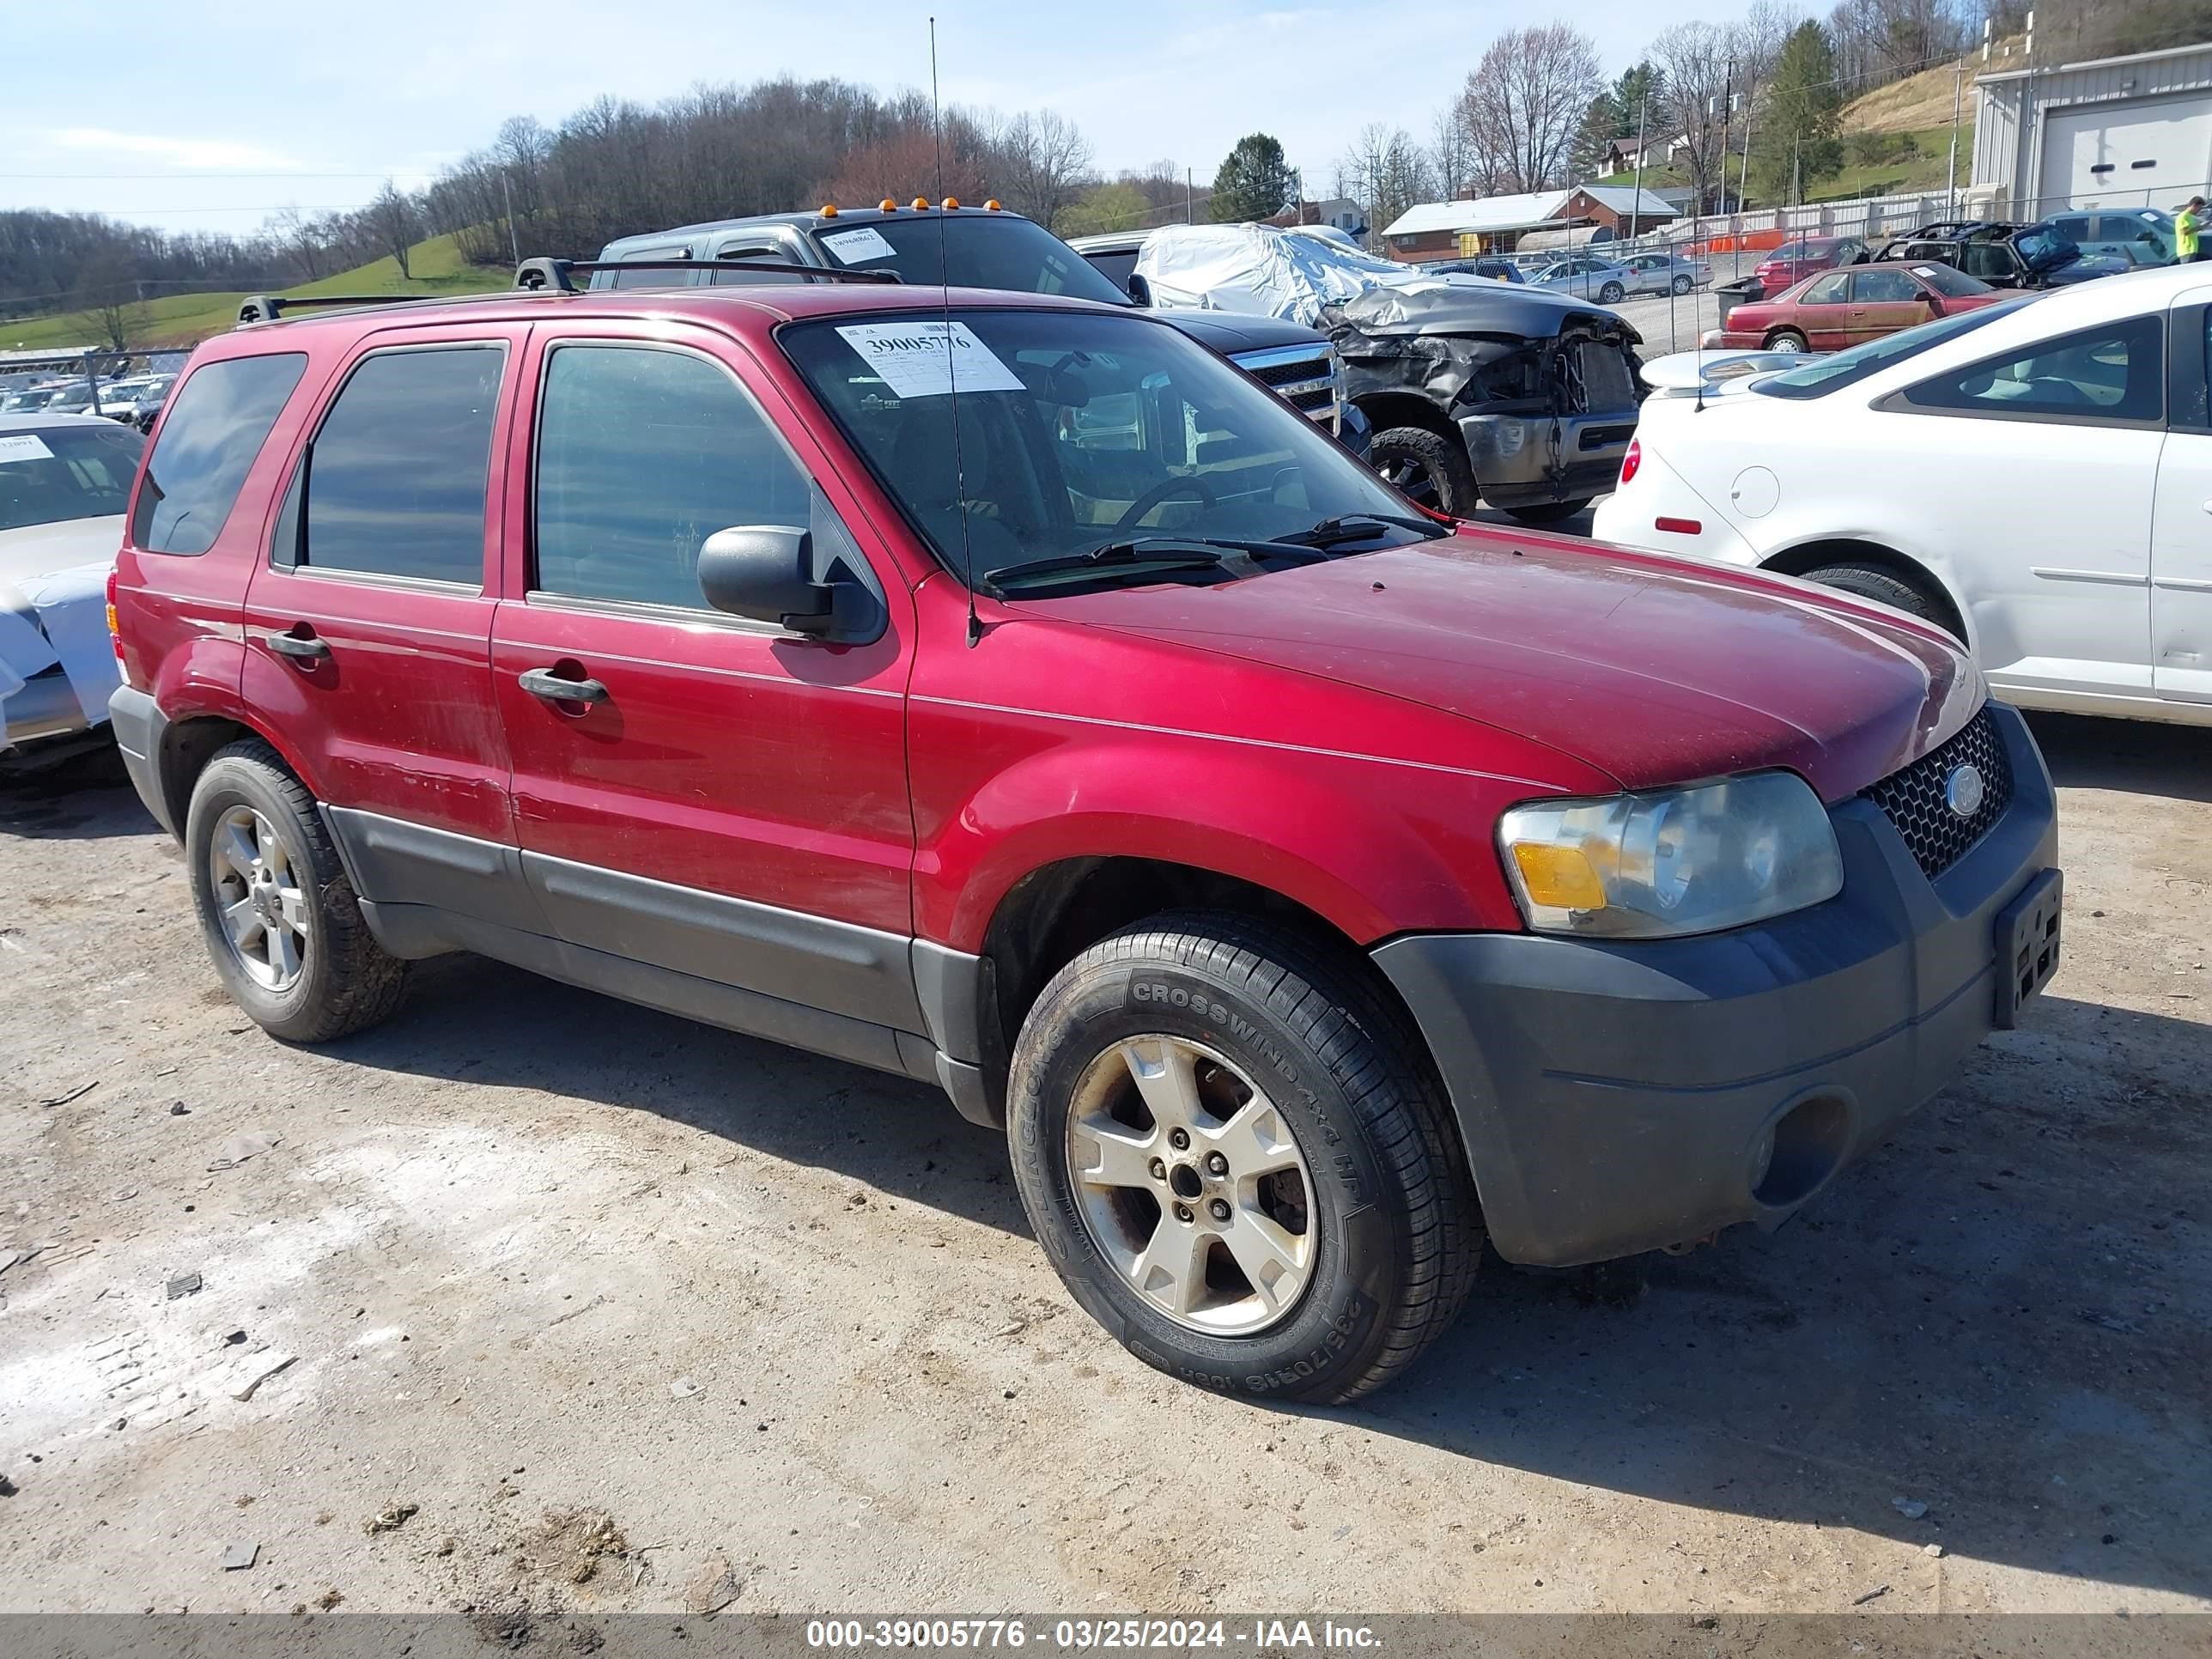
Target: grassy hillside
(186,319)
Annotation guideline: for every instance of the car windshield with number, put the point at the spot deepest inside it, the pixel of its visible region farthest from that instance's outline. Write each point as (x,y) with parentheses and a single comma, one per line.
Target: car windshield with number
(1089,448)
(50,475)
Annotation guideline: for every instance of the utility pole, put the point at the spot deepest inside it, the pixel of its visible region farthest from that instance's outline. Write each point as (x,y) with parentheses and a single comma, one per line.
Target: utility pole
(513,246)
(1636,205)
(1951,168)
(1743,176)
(1189,190)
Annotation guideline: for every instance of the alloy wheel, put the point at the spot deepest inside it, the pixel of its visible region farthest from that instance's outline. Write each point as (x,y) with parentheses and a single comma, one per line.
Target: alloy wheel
(1410,479)
(1190,1183)
(258,898)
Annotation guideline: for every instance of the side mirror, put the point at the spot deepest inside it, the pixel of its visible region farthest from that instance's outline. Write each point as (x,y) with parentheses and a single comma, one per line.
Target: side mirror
(766,572)
(1140,290)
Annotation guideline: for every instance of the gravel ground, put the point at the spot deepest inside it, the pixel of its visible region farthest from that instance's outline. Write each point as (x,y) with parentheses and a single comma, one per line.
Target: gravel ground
(532,1294)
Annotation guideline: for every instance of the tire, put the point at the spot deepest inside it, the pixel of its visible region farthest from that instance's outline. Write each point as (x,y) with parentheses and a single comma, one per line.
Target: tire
(1681,285)
(1785,339)
(1548,512)
(1384,1227)
(1871,582)
(1426,467)
(343,981)
(1611,294)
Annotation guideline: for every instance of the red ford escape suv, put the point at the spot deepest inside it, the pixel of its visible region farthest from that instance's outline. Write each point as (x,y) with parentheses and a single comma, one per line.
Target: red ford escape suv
(1008,692)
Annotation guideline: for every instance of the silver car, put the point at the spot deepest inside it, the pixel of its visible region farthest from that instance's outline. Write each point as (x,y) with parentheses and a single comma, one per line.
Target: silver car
(1592,279)
(1665,273)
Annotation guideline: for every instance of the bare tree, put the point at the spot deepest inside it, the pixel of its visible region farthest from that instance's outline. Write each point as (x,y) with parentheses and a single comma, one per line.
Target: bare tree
(1386,173)
(396,223)
(1451,157)
(1524,101)
(1044,160)
(293,232)
(1694,66)
(110,296)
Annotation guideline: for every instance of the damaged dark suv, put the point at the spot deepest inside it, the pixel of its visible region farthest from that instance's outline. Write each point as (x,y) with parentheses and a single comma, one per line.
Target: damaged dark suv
(1525,399)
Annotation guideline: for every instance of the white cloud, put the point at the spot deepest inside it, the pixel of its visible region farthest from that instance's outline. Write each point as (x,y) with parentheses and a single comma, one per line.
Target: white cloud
(210,153)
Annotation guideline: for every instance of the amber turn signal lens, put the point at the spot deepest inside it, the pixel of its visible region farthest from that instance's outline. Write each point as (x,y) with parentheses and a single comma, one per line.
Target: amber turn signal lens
(1559,878)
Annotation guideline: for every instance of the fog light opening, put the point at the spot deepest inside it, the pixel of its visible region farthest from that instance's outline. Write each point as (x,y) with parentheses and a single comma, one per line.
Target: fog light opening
(1793,1155)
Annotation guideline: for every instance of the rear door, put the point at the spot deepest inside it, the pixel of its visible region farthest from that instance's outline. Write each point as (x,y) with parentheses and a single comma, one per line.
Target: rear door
(368,619)
(1884,299)
(731,803)
(2181,531)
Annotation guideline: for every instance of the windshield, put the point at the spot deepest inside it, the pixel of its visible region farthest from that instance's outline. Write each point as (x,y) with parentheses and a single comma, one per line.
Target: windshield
(987,250)
(2041,245)
(1076,431)
(50,475)
(1817,379)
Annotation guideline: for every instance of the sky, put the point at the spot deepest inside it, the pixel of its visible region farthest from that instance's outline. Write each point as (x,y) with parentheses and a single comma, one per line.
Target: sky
(212,114)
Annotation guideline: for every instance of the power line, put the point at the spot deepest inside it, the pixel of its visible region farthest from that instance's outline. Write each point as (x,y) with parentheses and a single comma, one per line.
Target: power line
(387,173)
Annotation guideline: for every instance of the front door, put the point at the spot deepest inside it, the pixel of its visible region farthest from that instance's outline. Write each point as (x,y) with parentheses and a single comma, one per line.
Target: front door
(718,797)
(2181,522)
(1824,312)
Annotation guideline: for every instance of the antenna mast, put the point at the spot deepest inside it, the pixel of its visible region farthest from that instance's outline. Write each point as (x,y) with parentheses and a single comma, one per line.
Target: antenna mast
(951,370)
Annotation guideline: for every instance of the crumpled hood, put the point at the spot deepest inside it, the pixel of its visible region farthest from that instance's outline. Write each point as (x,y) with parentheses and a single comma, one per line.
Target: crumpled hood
(1655,671)
(39,549)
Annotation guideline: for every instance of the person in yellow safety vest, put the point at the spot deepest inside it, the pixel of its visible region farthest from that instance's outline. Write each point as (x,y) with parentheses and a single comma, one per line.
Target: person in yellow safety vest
(2188,231)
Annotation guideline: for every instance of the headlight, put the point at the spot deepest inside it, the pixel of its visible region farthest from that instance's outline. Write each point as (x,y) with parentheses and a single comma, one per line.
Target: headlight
(1673,861)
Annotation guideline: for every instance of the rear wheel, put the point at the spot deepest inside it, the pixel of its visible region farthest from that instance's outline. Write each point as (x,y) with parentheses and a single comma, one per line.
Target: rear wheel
(1785,339)
(1611,294)
(277,911)
(1235,1163)
(1871,581)
(1548,512)
(1681,284)
(1426,467)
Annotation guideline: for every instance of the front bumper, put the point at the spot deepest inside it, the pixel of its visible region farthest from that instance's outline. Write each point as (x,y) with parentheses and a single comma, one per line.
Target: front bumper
(1615,1097)
(1522,459)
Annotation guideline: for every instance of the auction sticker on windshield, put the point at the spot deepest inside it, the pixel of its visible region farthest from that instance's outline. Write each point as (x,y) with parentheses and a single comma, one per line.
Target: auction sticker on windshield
(916,361)
(853,245)
(28,447)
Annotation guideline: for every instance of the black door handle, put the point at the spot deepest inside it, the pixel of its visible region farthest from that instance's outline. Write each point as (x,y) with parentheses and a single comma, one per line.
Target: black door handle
(556,688)
(300,647)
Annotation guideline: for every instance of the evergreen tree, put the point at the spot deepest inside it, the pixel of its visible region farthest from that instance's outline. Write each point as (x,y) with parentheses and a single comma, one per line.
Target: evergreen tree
(1794,142)
(1254,181)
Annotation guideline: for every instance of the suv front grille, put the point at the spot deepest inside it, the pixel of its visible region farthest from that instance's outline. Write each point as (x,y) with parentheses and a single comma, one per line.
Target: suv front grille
(1307,381)
(1914,799)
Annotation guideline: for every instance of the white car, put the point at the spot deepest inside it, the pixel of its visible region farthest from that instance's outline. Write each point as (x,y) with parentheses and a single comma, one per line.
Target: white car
(2035,478)
(64,483)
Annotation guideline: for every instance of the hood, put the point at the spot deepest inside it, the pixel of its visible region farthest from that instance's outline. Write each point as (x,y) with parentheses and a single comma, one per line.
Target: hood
(2082,268)
(1718,369)
(1495,309)
(1654,672)
(39,549)
(1231,331)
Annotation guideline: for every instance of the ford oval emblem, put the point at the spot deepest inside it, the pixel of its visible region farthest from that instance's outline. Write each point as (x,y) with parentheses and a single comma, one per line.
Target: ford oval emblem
(1963,790)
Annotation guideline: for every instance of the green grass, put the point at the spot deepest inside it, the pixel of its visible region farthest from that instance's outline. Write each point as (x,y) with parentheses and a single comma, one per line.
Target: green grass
(178,319)
(1924,171)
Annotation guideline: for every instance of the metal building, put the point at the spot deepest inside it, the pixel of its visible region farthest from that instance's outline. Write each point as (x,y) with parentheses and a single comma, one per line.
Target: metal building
(2132,132)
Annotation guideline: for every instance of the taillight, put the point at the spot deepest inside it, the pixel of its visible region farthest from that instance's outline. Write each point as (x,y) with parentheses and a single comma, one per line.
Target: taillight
(1628,463)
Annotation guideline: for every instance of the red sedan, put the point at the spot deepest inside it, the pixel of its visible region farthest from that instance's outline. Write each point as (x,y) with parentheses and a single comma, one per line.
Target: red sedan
(1839,308)
(1793,262)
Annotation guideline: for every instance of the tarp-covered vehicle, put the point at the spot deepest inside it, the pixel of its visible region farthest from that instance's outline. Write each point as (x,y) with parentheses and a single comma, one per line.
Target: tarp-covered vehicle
(1475,389)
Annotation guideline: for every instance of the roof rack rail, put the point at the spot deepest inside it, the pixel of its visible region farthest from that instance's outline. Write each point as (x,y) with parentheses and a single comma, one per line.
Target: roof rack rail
(533,275)
(268,307)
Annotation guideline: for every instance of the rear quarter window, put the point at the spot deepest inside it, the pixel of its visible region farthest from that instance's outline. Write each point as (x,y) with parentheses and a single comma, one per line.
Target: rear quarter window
(214,429)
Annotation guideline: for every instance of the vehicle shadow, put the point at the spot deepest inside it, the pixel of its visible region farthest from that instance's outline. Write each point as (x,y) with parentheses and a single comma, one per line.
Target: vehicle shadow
(87,797)
(2143,757)
(472,1020)
(2006,1314)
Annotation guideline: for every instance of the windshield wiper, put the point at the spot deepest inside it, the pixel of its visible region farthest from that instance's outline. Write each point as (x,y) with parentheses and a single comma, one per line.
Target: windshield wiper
(1152,553)
(1357,527)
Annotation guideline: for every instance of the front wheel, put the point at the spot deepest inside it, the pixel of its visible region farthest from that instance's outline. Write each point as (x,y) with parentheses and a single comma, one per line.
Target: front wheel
(1611,294)
(1236,1164)
(1426,467)
(1785,339)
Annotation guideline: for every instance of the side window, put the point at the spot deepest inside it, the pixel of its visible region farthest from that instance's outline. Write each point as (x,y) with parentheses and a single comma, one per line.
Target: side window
(1827,291)
(642,455)
(2076,229)
(2113,373)
(1991,261)
(762,253)
(394,482)
(214,428)
(1882,286)
(659,278)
